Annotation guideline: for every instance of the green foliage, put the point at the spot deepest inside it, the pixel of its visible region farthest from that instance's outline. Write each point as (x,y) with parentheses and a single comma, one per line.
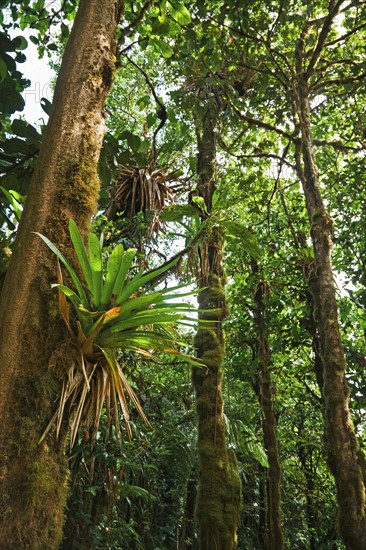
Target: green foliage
(242,56)
(137,491)
(11,81)
(244,440)
(111,316)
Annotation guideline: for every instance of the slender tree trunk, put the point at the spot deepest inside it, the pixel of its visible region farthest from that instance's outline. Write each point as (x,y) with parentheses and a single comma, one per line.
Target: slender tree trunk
(262,506)
(305,457)
(33,346)
(273,531)
(219,490)
(342,448)
(186,531)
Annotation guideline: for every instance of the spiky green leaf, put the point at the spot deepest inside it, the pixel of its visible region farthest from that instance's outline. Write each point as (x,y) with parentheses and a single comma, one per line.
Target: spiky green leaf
(114,264)
(74,277)
(126,263)
(96,265)
(81,253)
(138,282)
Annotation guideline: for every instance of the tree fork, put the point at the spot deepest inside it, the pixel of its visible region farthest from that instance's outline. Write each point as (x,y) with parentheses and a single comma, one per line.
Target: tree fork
(33,346)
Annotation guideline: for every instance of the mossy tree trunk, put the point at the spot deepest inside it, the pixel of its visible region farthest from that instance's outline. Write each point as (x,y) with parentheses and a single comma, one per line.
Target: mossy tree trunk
(342,448)
(273,539)
(34,349)
(219,490)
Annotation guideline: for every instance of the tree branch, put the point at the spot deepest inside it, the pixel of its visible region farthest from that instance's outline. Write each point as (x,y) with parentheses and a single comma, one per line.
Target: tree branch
(337,81)
(345,36)
(126,31)
(227,149)
(333,11)
(162,112)
(338,145)
(261,124)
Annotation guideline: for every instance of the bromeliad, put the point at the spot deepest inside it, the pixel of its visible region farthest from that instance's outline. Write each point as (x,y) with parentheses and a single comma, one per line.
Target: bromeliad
(113,314)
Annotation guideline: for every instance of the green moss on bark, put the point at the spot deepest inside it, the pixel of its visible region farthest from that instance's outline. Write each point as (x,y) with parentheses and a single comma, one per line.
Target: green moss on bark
(33,352)
(39,484)
(219,491)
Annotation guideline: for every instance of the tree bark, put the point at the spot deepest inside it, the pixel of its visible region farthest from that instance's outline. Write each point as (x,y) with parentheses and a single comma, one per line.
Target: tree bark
(273,539)
(219,489)
(186,530)
(305,457)
(34,349)
(342,448)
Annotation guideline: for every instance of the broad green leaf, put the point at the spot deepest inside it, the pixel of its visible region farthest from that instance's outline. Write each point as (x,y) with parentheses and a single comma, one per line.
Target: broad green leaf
(18,146)
(20,43)
(13,202)
(143,102)
(200,203)
(144,146)
(163,47)
(161,25)
(179,13)
(247,239)
(134,304)
(25,130)
(46,105)
(104,172)
(113,267)
(144,320)
(132,140)
(257,452)
(151,119)
(127,339)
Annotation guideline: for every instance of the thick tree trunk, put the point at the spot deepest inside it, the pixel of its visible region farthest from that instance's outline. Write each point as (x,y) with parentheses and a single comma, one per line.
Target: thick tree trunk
(33,345)
(273,530)
(219,490)
(342,448)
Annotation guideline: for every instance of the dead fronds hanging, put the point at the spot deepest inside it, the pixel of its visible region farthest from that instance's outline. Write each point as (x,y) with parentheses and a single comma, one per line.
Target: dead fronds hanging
(141,189)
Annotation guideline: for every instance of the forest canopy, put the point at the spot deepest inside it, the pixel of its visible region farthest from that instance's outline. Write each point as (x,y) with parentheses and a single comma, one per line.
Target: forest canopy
(183,276)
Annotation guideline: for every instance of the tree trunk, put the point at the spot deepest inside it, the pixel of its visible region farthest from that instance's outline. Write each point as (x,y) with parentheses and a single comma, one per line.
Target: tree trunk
(309,471)
(34,349)
(219,490)
(186,530)
(342,448)
(273,529)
